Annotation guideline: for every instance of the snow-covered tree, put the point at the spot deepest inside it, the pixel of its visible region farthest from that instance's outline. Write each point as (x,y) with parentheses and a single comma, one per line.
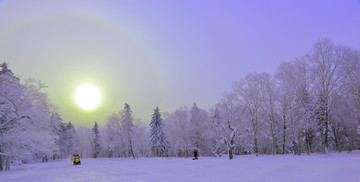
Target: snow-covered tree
(248,91)
(177,129)
(142,144)
(198,124)
(295,81)
(127,126)
(27,130)
(96,140)
(85,138)
(157,135)
(308,123)
(218,146)
(227,120)
(68,141)
(116,145)
(321,117)
(331,66)
(269,91)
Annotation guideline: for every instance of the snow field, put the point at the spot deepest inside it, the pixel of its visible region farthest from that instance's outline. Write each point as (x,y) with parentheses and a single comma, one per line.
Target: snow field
(336,167)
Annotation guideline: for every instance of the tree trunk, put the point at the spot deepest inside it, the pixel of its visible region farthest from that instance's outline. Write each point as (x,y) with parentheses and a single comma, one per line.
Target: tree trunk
(7,163)
(299,145)
(273,139)
(231,155)
(110,153)
(326,131)
(231,147)
(131,149)
(2,161)
(256,150)
(336,139)
(307,143)
(284,129)
(255,128)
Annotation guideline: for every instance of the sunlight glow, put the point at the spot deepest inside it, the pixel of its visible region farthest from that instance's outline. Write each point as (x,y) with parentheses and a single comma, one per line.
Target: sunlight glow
(87,97)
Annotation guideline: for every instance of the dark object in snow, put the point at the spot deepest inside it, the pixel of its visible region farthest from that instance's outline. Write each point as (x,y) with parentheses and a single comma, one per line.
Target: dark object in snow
(45,158)
(196,155)
(76,159)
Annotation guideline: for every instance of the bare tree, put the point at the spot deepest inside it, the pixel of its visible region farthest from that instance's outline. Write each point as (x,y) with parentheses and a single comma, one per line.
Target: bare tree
(295,81)
(270,93)
(331,67)
(227,119)
(248,92)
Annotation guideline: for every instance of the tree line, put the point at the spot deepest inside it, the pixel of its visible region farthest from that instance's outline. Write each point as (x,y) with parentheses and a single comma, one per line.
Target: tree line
(310,105)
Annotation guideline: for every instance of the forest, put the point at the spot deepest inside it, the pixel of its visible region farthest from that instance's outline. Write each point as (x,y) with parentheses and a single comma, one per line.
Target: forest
(311,104)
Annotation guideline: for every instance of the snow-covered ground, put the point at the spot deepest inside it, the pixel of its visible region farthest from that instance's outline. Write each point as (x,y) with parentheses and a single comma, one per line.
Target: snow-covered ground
(341,167)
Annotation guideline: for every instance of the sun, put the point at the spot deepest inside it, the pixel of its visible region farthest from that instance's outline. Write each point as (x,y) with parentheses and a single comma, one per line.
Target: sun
(87,97)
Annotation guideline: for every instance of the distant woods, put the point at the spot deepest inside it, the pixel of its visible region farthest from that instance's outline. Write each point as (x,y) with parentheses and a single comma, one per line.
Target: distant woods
(310,105)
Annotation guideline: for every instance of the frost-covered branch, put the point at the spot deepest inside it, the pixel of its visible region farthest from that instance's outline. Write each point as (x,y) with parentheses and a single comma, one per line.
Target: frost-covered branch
(3,125)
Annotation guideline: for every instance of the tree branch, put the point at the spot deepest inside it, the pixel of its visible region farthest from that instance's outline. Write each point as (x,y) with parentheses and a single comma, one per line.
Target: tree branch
(3,125)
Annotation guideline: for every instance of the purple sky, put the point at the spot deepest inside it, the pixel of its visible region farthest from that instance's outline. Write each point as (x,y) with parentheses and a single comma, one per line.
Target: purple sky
(161,53)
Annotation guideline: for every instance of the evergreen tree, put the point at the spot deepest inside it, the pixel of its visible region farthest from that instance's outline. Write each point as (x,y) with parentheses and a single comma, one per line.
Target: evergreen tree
(5,69)
(157,136)
(96,140)
(321,117)
(195,131)
(198,127)
(67,139)
(128,127)
(308,122)
(55,117)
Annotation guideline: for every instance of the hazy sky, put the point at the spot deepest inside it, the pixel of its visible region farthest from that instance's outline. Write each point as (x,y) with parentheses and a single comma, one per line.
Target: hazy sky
(161,53)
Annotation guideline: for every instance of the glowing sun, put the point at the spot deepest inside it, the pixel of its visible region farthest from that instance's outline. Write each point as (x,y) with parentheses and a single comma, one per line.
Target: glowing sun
(87,97)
